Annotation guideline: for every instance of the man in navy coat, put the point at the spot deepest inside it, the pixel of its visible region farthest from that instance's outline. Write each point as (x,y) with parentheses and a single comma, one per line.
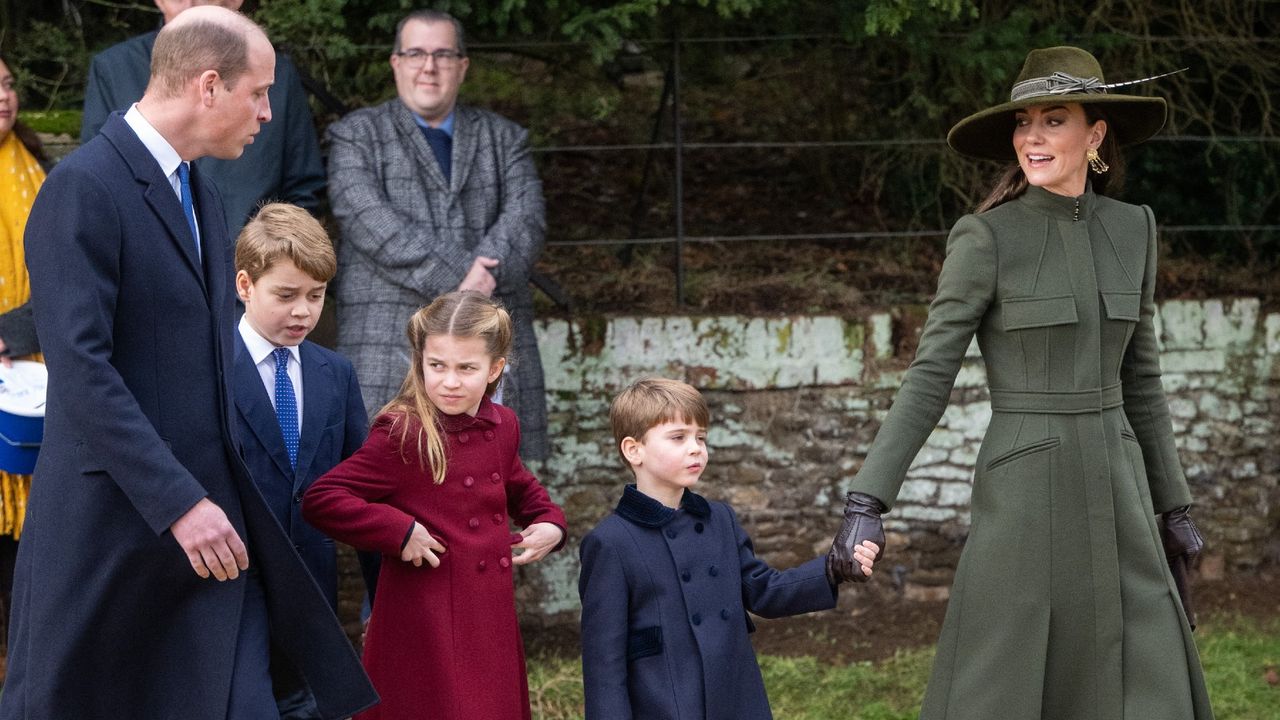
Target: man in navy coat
(152,577)
(283,163)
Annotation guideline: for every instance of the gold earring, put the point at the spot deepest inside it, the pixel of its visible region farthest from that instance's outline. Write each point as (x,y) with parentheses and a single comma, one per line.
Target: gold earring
(1095,162)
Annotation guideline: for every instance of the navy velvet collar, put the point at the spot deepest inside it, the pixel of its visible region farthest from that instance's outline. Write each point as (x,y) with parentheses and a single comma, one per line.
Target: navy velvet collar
(647,512)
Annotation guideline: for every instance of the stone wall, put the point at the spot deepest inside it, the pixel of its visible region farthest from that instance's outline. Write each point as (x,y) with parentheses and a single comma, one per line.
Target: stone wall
(797,401)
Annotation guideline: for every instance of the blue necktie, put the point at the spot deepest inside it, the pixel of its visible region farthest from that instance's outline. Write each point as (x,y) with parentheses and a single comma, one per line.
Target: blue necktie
(286,405)
(441,146)
(188,205)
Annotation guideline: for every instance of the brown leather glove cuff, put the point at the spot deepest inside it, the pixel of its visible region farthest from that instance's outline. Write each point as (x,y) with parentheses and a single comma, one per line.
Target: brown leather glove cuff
(1179,534)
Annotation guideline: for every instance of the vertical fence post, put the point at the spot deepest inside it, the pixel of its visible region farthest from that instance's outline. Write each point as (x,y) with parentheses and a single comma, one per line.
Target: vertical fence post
(679,149)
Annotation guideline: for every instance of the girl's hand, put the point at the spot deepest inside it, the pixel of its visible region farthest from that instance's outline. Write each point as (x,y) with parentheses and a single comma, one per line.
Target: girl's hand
(538,540)
(865,556)
(421,546)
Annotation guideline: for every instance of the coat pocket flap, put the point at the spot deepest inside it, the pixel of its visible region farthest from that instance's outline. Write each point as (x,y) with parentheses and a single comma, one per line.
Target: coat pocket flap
(1034,312)
(644,642)
(1122,305)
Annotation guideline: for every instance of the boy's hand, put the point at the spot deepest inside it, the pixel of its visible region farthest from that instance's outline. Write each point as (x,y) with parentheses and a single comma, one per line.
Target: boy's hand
(421,546)
(538,540)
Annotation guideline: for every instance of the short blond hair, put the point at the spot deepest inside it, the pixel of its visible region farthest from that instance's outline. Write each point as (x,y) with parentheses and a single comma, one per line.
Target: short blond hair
(281,230)
(649,402)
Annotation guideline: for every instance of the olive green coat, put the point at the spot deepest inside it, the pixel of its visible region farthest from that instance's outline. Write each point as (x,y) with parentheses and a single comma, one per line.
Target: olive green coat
(1063,605)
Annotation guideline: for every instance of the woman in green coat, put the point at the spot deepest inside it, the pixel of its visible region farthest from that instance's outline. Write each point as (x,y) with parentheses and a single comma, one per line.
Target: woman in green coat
(1063,604)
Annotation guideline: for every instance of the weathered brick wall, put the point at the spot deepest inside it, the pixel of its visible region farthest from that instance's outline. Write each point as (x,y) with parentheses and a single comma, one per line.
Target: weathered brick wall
(797,401)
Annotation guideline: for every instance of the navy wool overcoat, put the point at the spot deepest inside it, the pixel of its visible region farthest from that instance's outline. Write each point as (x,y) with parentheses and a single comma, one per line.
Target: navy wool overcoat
(665,596)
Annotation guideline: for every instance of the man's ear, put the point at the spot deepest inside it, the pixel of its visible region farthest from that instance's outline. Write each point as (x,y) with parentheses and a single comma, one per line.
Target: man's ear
(209,81)
(632,450)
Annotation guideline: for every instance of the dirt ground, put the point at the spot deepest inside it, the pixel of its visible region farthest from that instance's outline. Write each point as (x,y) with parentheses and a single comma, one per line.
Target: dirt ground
(878,626)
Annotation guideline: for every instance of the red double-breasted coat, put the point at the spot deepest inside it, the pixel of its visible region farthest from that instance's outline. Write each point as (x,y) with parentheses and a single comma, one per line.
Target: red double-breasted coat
(443,643)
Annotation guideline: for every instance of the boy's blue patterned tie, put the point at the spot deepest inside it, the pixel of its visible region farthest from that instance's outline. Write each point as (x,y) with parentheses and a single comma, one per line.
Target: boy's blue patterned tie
(286,405)
(188,205)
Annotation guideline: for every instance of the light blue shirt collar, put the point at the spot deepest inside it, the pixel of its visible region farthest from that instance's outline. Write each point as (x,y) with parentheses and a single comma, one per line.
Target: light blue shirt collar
(446,126)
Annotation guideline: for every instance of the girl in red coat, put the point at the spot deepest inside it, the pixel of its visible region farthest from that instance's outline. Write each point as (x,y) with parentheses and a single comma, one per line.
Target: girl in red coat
(431,489)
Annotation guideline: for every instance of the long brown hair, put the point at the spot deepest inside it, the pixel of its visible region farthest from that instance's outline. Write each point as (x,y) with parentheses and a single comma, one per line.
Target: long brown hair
(1012,182)
(460,314)
(28,137)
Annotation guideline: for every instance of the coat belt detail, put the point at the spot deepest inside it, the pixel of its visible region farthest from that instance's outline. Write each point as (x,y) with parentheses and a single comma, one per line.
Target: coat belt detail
(1071,402)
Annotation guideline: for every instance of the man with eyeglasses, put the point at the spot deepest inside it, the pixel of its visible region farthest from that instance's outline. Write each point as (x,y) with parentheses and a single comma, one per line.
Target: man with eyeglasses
(432,196)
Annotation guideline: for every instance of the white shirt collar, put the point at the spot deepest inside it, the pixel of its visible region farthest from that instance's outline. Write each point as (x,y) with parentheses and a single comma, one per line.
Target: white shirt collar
(259,347)
(155,143)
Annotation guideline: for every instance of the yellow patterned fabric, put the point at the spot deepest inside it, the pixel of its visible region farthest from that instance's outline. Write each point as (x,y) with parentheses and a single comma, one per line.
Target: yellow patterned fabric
(20,179)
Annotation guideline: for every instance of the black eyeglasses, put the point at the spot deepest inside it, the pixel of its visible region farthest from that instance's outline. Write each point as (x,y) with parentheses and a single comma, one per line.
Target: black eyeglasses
(414,58)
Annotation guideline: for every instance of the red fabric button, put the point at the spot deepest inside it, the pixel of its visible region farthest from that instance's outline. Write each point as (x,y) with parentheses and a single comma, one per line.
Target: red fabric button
(473,523)
(505,562)
(497,518)
(463,437)
(468,481)
(488,434)
(481,565)
(496,478)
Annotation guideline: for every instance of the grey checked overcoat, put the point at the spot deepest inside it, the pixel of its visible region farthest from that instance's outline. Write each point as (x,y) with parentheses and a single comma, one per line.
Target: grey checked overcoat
(1063,606)
(408,236)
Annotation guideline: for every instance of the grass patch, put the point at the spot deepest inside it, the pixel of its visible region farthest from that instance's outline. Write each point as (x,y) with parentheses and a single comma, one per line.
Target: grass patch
(1237,654)
(56,122)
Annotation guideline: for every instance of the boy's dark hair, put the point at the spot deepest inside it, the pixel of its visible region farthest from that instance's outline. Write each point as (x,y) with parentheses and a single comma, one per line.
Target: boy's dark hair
(281,230)
(653,401)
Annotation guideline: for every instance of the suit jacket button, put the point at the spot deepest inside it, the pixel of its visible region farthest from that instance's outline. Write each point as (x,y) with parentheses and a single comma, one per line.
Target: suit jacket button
(297,497)
(696,619)
(473,523)
(480,565)
(697,527)
(724,614)
(468,481)
(671,533)
(488,435)
(714,571)
(504,562)
(686,576)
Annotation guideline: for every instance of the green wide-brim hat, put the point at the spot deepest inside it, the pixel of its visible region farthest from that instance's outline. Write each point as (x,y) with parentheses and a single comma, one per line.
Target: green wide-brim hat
(1053,76)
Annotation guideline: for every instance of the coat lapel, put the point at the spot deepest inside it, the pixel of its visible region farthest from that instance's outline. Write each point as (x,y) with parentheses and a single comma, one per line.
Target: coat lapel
(159,193)
(419,150)
(255,405)
(317,383)
(464,147)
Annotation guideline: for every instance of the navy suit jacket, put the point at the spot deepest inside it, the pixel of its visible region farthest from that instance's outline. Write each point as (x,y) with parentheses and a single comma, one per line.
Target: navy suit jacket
(108,618)
(283,163)
(665,595)
(333,427)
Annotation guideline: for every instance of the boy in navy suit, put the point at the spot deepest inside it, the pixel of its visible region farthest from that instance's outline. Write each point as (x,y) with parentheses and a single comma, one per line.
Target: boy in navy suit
(300,411)
(668,578)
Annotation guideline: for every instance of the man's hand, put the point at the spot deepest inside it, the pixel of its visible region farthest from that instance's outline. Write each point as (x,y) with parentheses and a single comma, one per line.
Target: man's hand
(211,543)
(538,540)
(421,546)
(479,278)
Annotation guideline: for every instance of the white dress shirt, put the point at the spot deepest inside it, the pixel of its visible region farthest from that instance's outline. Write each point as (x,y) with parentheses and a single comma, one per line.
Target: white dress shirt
(260,350)
(163,152)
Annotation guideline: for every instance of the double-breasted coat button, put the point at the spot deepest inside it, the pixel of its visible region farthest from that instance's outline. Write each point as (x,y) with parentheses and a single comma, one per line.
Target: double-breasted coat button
(686,576)
(495,478)
(481,565)
(696,619)
(463,437)
(468,481)
(473,523)
(488,434)
(724,614)
(671,533)
(697,527)
(714,571)
(497,518)
(505,562)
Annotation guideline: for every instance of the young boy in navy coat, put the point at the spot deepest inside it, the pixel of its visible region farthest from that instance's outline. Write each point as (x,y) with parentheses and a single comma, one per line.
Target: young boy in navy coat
(299,406)
(668,578)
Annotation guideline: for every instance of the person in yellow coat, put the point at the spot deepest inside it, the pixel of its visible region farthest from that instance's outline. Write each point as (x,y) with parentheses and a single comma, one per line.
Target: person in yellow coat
(21,173)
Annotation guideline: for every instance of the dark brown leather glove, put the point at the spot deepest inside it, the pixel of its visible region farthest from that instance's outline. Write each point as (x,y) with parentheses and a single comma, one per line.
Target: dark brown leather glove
(861,522)
(1182,543)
